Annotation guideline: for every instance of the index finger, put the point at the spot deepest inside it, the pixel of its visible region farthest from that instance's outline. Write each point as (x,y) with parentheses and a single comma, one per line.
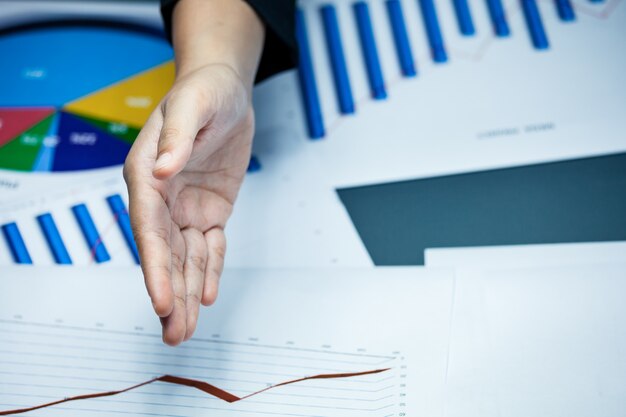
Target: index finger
(149,216)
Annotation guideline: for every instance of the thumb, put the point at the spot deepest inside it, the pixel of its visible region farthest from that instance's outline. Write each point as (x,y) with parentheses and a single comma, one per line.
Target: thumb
(181,123)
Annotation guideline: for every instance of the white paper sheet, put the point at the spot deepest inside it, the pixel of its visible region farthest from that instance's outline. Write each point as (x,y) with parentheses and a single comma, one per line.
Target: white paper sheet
(19,185)
(282,218)
(527,255)
(496,103)
(59,203)
(538,341)
(70,331)
(289,215)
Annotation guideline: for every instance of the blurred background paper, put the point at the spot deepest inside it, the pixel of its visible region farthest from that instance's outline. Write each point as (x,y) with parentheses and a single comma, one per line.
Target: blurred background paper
(538,341)
(528,255)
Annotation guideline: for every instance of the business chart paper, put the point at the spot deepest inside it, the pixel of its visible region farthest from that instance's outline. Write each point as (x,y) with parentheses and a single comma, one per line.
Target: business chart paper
(496,102)
(527,255)
(288,214)
(73,331)
(282,218)
(42,144)
(106,241)
(542,340)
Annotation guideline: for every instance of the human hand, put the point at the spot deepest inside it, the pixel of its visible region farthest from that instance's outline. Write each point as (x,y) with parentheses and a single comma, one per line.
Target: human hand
(183,174)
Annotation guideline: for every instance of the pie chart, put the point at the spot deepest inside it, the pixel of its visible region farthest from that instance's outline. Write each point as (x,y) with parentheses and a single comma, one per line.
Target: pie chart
(74,95)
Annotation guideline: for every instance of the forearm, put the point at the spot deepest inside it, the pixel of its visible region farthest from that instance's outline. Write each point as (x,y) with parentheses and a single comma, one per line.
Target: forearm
(226,32)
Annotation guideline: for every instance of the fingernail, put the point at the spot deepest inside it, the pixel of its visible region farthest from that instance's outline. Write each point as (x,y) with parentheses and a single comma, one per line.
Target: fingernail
(162,161)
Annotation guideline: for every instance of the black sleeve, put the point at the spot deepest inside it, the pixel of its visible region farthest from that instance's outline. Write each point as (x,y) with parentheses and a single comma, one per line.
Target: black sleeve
(280,49)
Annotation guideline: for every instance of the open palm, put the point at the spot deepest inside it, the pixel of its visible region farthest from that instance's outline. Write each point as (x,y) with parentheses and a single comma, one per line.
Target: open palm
(183,175)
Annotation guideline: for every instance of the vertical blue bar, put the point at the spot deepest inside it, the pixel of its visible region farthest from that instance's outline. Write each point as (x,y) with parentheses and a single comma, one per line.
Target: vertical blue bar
(433,31)
(16,244)
(55,242)
(535,26)
(307,80)
(565,10)
(498,18)
(337,59)
(401,38)
(254,165)
(117,206)
(464,17)
(370,53)
(92,237)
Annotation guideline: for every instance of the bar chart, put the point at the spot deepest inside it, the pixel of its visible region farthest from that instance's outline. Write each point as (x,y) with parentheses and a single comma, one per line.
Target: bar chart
(76,226)
(286,203)
(368,82)
(497,101)
(326,20)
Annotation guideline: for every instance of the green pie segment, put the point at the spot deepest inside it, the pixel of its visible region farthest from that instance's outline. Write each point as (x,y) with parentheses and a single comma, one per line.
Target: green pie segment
(63,140)
(120,130)
(20,153)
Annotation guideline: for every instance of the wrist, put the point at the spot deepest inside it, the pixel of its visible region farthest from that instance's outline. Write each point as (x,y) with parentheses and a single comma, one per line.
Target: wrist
(217,32)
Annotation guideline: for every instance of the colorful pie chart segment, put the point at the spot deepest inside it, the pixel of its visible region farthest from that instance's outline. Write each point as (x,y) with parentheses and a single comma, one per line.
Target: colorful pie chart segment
(83,146)
(130,101)
(56,64)
(120,130)
(14,121)
(74,96)
(21,152)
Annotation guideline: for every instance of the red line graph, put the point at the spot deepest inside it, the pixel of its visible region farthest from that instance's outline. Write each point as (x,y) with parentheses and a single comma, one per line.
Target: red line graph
(192,383)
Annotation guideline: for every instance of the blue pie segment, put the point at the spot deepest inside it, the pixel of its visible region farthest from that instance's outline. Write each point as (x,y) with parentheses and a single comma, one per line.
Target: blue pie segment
(51,66)
(84,146)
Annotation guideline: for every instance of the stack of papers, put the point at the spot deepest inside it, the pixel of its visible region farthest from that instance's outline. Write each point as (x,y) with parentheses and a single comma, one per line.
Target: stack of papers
(305,326)
(539,330)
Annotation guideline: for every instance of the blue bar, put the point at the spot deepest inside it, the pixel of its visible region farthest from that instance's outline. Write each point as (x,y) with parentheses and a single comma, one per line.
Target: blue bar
(464,17)
(254,165)
(92,237)
(498,18)
(431,22)
(565,10)
(401,38)
(535,26)
(117,206)
(370,52)
(55,242)
(337,59)
(308,85)
(16,244)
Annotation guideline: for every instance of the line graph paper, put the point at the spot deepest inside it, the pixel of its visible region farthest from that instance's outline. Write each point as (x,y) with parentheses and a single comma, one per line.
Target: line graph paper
(77,361)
